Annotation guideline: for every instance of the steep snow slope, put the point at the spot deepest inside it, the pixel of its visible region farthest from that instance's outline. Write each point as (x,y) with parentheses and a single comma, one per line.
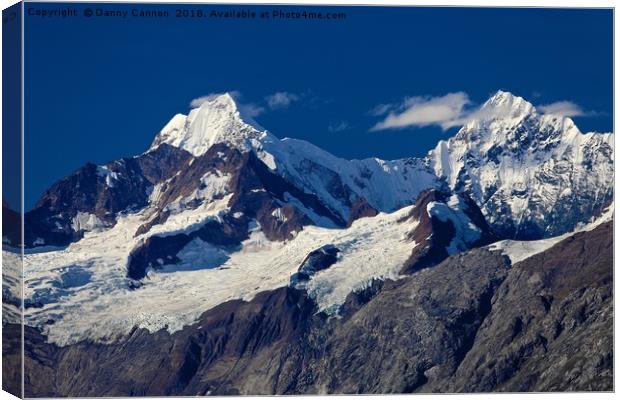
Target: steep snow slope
(386,185)
(216,121)
(532,175)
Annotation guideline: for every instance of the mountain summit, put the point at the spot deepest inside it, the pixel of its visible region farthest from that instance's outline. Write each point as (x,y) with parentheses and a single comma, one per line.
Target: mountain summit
(534,175)
(217,120)
(505,105)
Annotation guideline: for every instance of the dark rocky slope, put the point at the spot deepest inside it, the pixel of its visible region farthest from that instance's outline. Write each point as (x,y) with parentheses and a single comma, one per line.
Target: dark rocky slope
(551,327)
(11,225)
(435,235)
(103,191)
(469,324)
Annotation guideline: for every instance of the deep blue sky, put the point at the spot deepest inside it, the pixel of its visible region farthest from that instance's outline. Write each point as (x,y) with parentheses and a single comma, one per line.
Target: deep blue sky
(11,104)
(98,89)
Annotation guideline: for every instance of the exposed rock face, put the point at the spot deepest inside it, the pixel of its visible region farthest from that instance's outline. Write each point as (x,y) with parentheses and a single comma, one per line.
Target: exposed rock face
(93,196)
(551,326)
(441,235)
(12,358)
(257,177)
(360,209)
(470,324)
(314,262)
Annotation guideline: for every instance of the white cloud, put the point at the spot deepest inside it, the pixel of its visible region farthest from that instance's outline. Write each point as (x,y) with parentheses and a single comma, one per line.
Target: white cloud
(565,108)
(281,99)
(339,127)
(250,109)
(446,111)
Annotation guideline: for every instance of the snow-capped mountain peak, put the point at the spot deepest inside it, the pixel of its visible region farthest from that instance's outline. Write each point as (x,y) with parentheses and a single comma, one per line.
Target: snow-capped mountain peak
(218,119)
(501,111)
(525,168)
(510,104)
(342,185)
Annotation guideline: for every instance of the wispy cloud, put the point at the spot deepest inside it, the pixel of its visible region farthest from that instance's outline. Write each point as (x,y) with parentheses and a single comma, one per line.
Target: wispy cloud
(456,109)
(275,101)
(381,109)
(565,108)
(198,101)
(281,99)
(251,109)
(446,111)
(339,127)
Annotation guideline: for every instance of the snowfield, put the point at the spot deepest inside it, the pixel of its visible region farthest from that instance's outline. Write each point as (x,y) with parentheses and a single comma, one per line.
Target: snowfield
(11,286)
(84,288)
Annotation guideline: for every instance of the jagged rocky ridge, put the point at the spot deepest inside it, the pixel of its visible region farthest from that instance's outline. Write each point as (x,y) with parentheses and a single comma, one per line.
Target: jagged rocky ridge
(219,213)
